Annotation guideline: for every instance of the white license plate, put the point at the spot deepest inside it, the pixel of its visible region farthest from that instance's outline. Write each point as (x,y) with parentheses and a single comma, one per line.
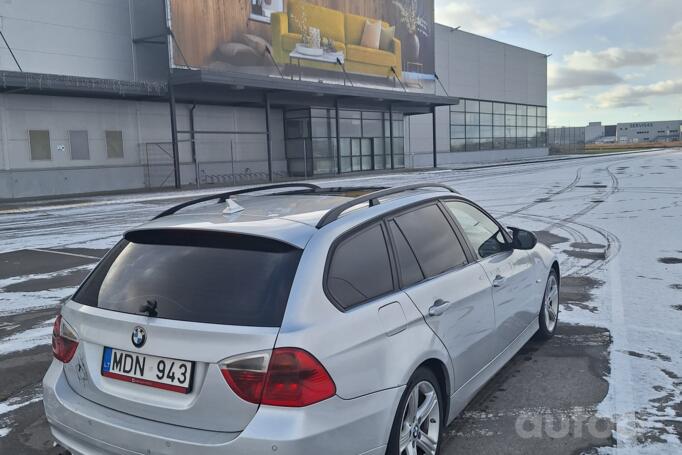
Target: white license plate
(168,374)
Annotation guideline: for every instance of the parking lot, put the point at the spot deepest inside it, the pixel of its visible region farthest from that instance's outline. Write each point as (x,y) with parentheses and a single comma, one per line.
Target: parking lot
(610,380)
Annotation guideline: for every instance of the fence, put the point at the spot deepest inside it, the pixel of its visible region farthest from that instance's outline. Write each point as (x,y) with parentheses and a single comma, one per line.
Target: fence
(566,140)
(158,165)
(217,159)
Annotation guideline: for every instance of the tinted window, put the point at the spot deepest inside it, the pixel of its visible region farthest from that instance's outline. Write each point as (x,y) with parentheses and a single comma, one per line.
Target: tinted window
(410,272)
(196,276)
(432,239)
(360,268)
(482,232)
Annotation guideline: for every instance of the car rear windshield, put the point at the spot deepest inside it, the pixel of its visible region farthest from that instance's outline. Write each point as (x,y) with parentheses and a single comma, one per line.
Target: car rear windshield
(195,276)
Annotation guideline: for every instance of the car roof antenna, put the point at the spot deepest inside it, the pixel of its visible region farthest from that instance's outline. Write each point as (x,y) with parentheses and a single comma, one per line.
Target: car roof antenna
(232,207)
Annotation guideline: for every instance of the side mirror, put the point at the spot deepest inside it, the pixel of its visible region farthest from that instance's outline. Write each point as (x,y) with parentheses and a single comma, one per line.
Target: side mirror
(522,239)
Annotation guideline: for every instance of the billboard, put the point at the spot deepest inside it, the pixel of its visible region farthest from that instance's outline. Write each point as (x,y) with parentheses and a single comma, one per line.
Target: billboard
(369,42)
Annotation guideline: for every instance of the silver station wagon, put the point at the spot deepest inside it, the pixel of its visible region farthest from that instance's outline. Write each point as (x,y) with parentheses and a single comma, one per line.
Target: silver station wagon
(293,319)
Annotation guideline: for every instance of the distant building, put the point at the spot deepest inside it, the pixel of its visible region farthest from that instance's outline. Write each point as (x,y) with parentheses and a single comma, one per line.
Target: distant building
(624,133)
(610,131)
(596,133)
(593,132)
(664,131)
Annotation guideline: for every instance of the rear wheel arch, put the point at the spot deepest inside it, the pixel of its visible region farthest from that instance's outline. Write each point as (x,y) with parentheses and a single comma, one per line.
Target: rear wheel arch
(438,368)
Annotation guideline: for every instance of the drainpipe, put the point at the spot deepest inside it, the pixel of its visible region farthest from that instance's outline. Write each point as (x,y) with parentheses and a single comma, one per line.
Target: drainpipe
(435,137)
(193,144)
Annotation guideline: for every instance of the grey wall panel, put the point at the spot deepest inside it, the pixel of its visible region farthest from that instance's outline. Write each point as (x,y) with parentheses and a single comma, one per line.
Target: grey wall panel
(59,115)
(146,135)
(3,138)
(148,19)
(52,182)
(72,37)
(481,68)
(491,70)
(6,185)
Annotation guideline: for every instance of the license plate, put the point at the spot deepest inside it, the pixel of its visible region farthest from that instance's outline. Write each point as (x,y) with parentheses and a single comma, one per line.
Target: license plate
(160,372)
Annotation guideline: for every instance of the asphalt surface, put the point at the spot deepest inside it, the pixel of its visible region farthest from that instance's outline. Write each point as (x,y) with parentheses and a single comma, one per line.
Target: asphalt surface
(553,397)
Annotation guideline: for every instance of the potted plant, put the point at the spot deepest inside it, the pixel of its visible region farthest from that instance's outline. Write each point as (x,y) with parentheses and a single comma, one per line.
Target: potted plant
(415,25)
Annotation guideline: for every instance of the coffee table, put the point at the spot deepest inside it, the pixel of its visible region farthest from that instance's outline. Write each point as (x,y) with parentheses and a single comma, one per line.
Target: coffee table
(334,58)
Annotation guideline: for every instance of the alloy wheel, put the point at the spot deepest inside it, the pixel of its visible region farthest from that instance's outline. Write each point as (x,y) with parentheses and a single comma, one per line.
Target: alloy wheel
(551,303)
(420,425)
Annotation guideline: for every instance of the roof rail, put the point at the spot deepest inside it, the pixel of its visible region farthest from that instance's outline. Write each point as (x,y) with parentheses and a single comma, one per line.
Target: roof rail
(222,197)
(373,199)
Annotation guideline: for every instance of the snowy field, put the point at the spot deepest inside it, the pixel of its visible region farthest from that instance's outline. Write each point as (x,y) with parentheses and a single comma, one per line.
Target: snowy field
(615,221)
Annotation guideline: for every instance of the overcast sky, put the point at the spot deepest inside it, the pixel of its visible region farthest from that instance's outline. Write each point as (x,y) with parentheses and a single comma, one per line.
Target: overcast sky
(612,60)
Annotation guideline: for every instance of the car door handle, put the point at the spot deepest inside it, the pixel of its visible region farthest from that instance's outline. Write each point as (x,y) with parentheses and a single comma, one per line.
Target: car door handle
(439,307)
(499,280)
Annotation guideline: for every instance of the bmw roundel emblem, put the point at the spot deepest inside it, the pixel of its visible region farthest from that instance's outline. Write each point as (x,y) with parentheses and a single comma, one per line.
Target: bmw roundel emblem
(139,337)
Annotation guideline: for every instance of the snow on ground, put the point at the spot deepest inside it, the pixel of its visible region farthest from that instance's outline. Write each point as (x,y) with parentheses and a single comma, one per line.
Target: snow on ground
(614,221)
(28,339)
(13,404)
(19,302)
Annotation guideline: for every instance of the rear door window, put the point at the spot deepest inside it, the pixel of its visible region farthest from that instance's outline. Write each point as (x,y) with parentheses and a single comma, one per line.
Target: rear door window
(360,268)
(432,240)
(195,276)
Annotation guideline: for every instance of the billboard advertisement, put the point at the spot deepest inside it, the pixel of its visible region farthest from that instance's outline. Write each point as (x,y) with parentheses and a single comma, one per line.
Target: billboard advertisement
(369,42)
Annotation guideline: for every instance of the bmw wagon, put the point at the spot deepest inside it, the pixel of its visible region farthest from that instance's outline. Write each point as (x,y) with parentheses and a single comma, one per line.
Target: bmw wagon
(294,319)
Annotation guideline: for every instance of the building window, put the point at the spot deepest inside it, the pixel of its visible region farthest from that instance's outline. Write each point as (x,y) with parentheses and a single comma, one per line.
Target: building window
(39,141)
(488,125)
(114,144)
(80,148)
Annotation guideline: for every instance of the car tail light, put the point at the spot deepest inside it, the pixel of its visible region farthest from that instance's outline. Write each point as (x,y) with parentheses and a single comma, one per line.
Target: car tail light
(64,340)
(246,375)
(289,377)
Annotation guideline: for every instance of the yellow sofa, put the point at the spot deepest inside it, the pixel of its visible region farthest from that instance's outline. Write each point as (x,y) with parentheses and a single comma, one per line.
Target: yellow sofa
(344,29)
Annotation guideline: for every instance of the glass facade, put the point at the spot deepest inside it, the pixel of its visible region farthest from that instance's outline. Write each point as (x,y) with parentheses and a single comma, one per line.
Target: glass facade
(487,125)
(366,141)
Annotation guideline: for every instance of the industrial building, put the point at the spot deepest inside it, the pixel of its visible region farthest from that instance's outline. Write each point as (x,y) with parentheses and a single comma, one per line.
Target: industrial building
(595,133)
(661,131)
(90,103)
(566,139)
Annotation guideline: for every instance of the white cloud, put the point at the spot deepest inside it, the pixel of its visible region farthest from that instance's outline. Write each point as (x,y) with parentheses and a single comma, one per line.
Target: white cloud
(561,77)
(673,43)
(554,18)
(568,96)
(611,58)
(589,68)
(544,26)
(459,13)
(633,76)
(636,95)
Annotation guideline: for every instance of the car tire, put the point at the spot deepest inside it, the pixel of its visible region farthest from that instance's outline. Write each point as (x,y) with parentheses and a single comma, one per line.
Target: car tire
(549,311)
(414,426)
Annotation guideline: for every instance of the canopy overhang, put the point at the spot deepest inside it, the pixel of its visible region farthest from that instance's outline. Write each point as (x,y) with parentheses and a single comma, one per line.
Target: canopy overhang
(209,87)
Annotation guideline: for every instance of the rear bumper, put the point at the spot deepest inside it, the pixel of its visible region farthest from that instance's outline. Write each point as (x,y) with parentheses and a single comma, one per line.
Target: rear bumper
(334,426)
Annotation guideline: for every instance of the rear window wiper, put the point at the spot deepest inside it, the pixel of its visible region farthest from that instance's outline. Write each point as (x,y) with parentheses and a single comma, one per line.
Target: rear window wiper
(150,308)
